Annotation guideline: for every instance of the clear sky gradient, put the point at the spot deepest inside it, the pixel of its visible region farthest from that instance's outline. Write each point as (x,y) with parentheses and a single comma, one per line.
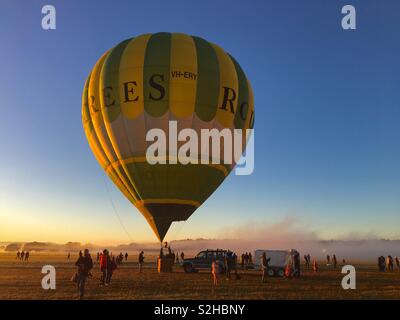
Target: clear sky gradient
(327,103)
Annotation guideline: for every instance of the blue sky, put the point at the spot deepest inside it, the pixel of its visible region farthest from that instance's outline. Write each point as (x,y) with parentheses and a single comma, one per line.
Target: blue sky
(327,107)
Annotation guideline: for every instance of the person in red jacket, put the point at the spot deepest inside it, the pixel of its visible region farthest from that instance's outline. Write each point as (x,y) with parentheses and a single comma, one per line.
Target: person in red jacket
(104,259)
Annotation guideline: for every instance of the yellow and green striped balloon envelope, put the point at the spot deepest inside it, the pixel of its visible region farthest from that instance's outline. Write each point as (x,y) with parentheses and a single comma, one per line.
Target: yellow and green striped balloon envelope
(145,82)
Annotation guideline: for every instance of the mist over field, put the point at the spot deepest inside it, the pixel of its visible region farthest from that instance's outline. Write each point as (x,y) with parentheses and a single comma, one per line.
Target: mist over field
(350,250)
(287,233)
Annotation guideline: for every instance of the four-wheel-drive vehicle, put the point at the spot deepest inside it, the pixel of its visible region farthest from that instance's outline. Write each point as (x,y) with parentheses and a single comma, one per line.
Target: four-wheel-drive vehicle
(279,260)
(203,260)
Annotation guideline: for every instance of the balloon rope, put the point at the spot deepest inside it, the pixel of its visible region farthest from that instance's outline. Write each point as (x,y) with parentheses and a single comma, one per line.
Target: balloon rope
(115,210)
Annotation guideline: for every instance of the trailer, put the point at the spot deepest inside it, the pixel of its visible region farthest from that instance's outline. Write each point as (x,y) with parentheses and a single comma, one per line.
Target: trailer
(279,261)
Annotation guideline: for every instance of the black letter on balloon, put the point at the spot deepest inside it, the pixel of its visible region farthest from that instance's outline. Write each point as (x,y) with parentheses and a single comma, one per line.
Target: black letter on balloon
(128,90)
(107,93)
(226,99)
(157,86)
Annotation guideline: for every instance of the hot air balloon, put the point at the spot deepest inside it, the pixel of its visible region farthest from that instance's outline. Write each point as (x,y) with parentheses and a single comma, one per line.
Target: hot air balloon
(143,83)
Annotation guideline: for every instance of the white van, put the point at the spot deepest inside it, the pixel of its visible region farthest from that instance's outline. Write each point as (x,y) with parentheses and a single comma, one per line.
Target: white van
(279,259)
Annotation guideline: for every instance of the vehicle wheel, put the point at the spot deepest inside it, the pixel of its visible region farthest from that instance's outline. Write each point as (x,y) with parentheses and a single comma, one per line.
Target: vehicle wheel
(281,272)
(271,272)
(188,268)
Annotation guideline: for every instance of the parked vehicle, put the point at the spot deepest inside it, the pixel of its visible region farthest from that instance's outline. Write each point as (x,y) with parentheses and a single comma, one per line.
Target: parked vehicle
(279,261)
(203,260)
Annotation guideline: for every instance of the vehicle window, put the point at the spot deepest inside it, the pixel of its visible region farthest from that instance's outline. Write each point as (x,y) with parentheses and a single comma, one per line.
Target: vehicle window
(201,255)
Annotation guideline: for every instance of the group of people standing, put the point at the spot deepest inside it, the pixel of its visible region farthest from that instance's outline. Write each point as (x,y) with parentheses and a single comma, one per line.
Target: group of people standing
(308,264)
(23,256)
(169,255)
(182,257)
(167,258)
(118,259)
(246,260)
(228,264)
(332,261)
(387,264)
(107,264)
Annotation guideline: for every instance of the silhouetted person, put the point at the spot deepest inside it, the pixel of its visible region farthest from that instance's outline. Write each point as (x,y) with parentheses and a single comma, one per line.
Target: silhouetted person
(334,261)
(306,261)
(98,257)
(18,255)
(381,264)
(396,259)
(27,256)
(250,258)
(22,255)
(344,261)
(390,263)
(264,266)
(228,260)
(182,256)
(126,256)
(120,258)
(80,253)
(141,260)
(328,259)
(111,266)
(69,256)
(84,264)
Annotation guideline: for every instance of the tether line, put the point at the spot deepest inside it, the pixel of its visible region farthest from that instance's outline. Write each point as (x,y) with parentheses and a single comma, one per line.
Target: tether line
(115,210)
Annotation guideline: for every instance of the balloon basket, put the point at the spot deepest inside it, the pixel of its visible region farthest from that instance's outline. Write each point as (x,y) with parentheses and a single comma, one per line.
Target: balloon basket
(164,265)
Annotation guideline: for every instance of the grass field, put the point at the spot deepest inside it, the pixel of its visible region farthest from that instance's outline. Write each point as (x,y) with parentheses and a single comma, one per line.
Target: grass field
(22,280)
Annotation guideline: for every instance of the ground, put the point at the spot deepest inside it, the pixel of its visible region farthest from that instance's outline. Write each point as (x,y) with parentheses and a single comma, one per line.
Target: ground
(22,280)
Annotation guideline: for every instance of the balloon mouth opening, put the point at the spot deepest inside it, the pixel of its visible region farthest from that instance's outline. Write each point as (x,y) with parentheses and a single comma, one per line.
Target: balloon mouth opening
(161,215)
